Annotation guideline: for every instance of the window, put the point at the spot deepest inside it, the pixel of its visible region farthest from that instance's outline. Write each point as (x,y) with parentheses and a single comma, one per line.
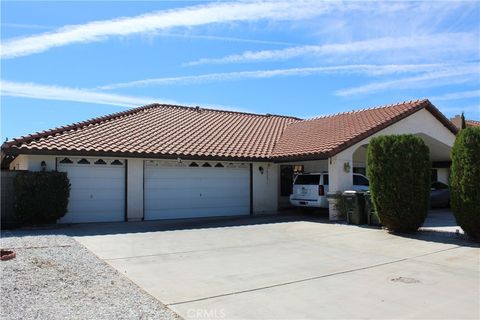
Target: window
(100,161)
(307,179)
(360,181)
(116,163)
(219,165)
(206,165)
(83,161)
(360,170)
(66,160)
(325,179)
(193,164)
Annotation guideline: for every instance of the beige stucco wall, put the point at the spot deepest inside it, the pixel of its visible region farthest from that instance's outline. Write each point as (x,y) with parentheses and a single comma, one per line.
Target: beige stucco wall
(135,169)
(19,163)
(265,188)
(421,122)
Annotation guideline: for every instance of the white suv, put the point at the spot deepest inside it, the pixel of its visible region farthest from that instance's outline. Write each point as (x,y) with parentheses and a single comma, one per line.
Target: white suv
(310,189)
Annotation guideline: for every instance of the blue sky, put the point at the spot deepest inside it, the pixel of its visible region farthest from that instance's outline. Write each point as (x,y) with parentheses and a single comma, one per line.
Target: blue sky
(63,62)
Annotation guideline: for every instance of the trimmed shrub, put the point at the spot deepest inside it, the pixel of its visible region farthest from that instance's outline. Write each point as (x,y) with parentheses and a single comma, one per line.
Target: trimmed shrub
(465,181)
(399,172)
(41,197)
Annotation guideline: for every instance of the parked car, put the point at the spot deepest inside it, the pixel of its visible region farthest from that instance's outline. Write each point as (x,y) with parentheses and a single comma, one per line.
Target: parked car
(439,195)
(310,189)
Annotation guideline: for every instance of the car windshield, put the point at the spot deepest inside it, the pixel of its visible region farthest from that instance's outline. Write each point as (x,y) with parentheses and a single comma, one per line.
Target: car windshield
(309,179)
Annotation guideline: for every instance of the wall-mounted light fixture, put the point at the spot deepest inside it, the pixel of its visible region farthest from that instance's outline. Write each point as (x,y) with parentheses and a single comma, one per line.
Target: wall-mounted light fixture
(43,165)
(346,166)
(298,168)
(261,169)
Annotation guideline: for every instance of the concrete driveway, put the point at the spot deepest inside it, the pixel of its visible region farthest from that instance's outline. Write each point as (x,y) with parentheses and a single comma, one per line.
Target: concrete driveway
(274,268)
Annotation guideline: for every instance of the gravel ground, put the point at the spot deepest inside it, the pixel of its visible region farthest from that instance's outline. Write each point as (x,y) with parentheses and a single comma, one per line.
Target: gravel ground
(54,277)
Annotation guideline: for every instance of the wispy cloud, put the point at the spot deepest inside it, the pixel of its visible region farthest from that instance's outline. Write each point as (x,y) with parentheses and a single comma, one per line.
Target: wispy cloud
(457,95)
(452,75)
(24,26)
(373,70)
(437,44)
(46,92)
(198,15)
(225,39)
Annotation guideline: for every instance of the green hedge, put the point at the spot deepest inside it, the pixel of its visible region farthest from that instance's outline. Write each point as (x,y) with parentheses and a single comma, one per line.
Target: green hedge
(465,181)
(41,197)
(399,172)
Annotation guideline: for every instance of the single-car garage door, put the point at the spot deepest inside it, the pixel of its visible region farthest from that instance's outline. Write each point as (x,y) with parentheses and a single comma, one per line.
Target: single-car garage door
(97,191)
(195,189)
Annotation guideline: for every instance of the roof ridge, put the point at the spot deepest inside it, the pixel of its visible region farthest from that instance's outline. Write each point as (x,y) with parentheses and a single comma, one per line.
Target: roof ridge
(414,103)
(112,116)
(195,108)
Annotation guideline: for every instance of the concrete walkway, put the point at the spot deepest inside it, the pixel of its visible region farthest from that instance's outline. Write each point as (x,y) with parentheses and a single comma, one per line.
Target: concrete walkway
(269,268)
(441,220)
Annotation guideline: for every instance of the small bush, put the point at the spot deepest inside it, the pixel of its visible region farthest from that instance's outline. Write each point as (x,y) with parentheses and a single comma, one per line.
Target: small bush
(465,181)
(399,173)
(41,197)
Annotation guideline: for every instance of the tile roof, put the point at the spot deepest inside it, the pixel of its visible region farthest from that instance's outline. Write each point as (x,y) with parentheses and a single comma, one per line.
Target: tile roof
(457,121)
(326,136)
(163,130)
(168,131)
(472,123)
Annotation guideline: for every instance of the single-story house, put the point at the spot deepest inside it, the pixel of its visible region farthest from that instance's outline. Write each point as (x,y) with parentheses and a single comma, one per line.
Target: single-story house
(165,161)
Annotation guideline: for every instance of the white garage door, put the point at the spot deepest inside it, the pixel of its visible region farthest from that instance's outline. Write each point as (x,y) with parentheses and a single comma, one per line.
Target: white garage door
(97,189)
(195,189)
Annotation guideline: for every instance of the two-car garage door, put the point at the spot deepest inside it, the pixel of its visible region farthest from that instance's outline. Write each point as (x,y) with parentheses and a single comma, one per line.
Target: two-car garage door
(172,190)
(195,189)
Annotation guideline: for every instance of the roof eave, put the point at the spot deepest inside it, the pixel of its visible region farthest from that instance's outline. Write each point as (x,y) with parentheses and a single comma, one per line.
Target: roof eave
(95,153)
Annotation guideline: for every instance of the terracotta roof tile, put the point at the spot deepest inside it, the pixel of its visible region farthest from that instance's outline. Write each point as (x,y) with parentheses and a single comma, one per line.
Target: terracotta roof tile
(165,130)
(472,123)
(325,136)
(160,130)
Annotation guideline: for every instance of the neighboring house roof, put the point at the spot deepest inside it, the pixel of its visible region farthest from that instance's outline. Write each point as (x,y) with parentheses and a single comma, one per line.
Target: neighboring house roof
(472,123)
(326,136)
(168,131)
(457,121)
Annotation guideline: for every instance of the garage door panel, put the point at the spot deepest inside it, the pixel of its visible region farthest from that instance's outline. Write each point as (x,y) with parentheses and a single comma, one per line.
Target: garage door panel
(210,191)
(97,192)
(182,213)
(96,206)
(186,192)
(193,173)
(91,216)
(97,173)
(212,202)
(97,184)
(195,180)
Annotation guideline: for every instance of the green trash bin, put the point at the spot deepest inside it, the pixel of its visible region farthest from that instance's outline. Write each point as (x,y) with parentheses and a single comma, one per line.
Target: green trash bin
(372,216)
(355,206)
